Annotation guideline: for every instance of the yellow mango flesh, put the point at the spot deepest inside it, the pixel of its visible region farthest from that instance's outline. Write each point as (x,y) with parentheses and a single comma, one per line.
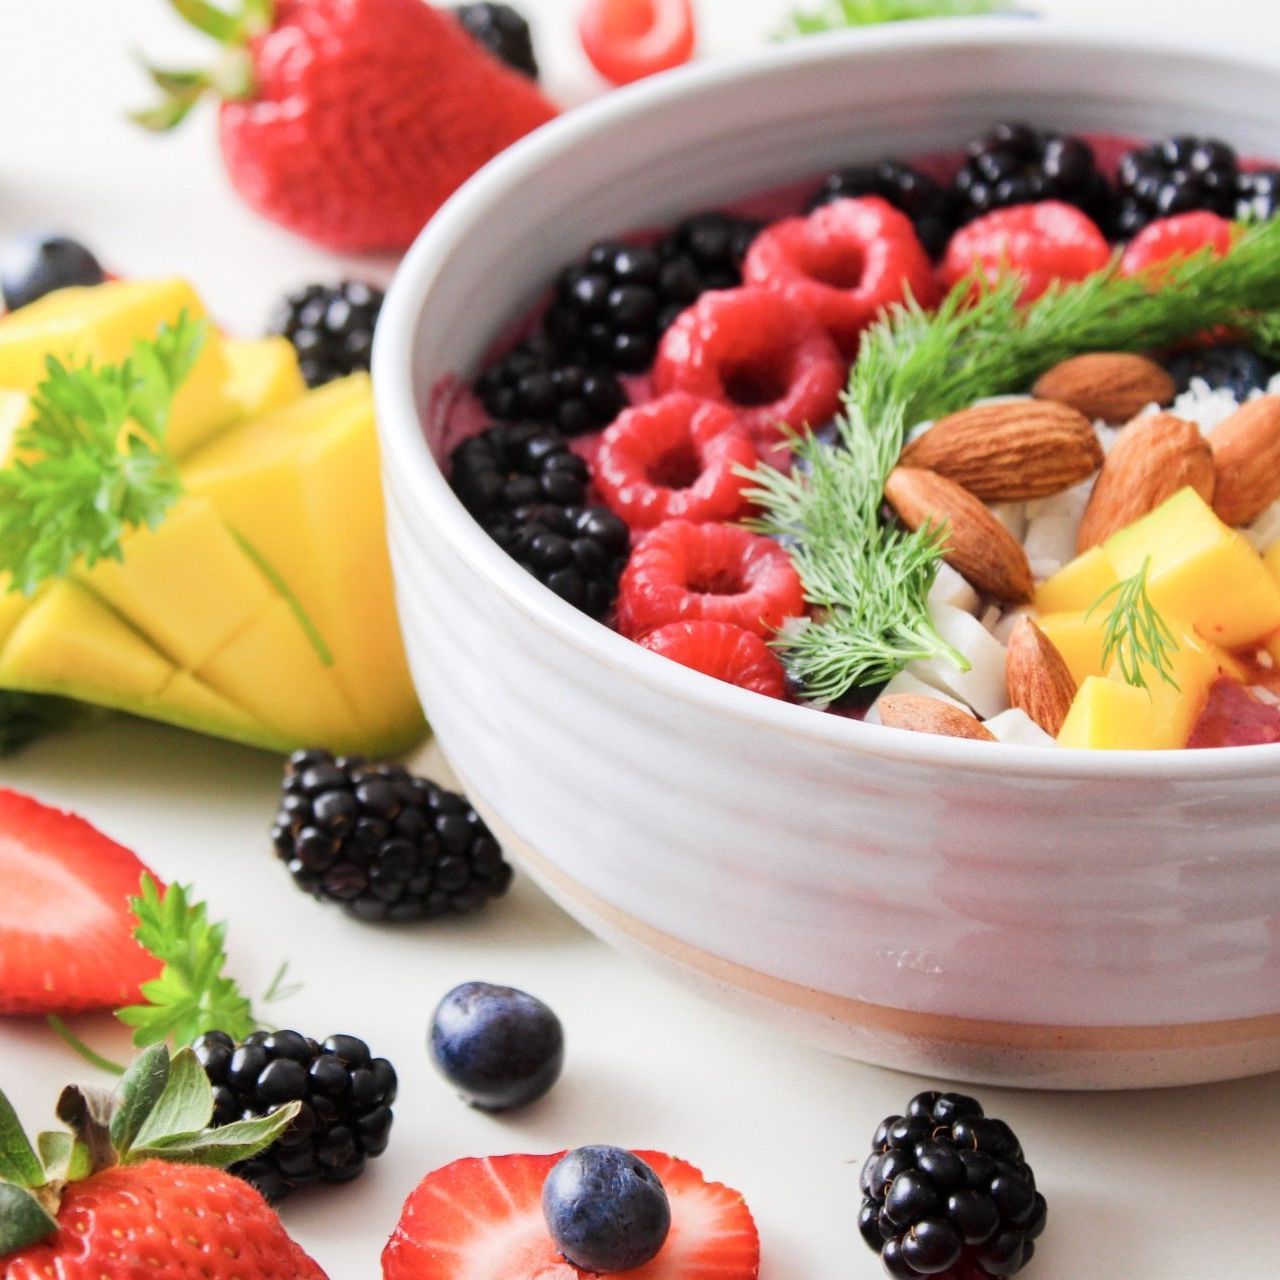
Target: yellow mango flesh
(1077,585)
(262,375)
(1201,570)
(1079,639)
(1108,715)
(102,323)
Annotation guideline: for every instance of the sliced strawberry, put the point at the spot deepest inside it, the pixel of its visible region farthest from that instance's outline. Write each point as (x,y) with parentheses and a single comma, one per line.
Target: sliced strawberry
(724,651)
(675,458)
(629,39)
(845,263)
(682,571)
(1043,243)
(1168,239)
(66,939)
(482,1220)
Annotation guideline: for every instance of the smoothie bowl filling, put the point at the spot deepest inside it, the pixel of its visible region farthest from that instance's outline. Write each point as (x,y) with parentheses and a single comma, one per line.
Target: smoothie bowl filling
(984,445)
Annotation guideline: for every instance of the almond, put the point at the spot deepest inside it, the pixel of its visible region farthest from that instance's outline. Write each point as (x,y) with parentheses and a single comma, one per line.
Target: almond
(1010,452)
(1152,458)
(1111,385)
(1037,677)
(977,545)
(1246,461)
(922,714)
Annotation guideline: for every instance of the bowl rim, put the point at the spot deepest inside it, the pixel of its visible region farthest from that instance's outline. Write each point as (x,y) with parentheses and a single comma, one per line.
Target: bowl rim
(407,457)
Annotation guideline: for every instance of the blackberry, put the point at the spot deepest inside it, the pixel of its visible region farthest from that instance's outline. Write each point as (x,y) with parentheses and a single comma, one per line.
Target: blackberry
(503,31)
(534,382)
(331,328)
(579,552)
(614,305)
(383,843)
(345,1092)
(929,205)
(1258,195)
(946,1187)
(1177,175)
(1228,365)
(514,464)
(1016,164)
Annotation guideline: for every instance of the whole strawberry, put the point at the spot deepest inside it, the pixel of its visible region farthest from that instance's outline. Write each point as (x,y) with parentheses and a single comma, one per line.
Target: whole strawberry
(350,121)
(134,1182)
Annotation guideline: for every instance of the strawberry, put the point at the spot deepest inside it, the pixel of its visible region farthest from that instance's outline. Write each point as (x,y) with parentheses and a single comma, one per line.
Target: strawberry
(482,1220)
(1171,239)
(351,121)
(66,940)
(724,651)
(134,1188)
(629,39)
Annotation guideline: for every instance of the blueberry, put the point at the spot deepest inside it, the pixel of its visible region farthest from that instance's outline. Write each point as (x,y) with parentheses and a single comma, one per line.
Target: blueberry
(36,263)
(1227,365)
(606,1209)
(500,1047)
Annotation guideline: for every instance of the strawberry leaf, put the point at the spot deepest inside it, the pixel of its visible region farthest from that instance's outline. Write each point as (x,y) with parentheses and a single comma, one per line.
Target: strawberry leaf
(185,1107)
(65,1159)
(227,1144)
(140,1090)
(19,1163)
(23,1219)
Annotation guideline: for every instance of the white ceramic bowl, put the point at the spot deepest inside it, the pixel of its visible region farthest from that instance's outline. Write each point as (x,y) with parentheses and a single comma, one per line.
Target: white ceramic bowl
(1012,915)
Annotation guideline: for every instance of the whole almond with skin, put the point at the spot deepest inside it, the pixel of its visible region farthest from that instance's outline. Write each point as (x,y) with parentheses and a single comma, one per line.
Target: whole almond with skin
(1037,677)
(922,714)
(1152,458)
(1246,461)
(976,545)
(1010,452)
(1111,385)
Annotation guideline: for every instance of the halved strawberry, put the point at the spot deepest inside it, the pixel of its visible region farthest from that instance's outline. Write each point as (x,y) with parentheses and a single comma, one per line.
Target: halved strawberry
(482,1220)
(66,940)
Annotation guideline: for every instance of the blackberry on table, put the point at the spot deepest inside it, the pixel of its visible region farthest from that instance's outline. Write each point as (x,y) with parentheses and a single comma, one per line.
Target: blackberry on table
(946,1187)
(930,206)
(579,552)
(1176,175)
(503,31)
(345,1094)
(382,843)
(1016,164)
(535,382)
(514,464)
(1230,366)
(331,328)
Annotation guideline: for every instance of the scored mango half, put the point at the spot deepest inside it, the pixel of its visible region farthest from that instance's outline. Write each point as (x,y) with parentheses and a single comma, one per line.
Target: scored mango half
(261,607)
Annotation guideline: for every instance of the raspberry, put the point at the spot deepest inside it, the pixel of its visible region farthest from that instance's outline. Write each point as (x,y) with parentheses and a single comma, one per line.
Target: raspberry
(629,39)
(1043,243)
(844,264)
(724,651)
(684,571)
(1181,236)
(756,351)
(675,458)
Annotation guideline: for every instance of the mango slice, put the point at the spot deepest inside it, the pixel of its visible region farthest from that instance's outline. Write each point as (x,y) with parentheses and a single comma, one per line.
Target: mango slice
(262,375)
(1077,585)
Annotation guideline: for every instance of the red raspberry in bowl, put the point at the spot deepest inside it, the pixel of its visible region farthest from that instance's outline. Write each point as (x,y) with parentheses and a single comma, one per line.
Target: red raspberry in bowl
(675,458)
(1181,236)
(684,571)
(724,651)
(844,264)
(1043,243)
(757,352)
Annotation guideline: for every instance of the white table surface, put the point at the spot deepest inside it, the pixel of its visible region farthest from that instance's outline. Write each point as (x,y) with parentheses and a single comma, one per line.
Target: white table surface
(1159,1186)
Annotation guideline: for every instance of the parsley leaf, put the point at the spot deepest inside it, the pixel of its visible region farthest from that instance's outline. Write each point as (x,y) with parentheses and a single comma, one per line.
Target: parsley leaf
(836,15)
(93,460)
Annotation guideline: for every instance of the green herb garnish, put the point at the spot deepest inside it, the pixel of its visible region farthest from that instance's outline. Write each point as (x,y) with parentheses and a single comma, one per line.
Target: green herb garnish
(836,15)
(93,461)
(1136,635)
(868,579)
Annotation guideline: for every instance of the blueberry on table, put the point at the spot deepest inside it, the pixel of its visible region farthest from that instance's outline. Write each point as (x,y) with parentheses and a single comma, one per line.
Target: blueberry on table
(38,262)
(606,1209)
(501,1048)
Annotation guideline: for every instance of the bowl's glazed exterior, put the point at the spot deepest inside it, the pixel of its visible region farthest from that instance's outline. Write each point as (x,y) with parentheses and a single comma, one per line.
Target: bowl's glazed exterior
(1012,915)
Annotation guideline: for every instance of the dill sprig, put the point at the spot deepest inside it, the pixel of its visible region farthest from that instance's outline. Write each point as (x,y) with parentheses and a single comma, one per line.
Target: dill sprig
(93,460)
(1136,635)
(836,15)
(869,580)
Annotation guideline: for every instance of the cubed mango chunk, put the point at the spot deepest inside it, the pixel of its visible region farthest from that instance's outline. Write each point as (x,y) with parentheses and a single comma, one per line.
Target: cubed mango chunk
(1076,586)
(1079,639)
(263,375)
(1109,715)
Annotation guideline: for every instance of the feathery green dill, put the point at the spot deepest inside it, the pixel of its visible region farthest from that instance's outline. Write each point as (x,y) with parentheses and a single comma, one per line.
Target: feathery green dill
(1135,633)
(868,579)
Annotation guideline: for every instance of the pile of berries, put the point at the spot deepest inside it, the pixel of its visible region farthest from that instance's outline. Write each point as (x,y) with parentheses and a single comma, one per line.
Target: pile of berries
(741,329)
